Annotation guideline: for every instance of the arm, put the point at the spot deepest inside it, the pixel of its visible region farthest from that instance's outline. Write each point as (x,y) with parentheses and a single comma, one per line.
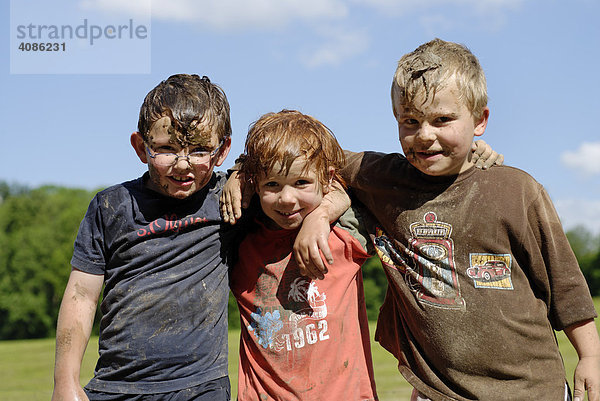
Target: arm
(584,338)
(312,239)
(314,233)
(75,320)
(235,196)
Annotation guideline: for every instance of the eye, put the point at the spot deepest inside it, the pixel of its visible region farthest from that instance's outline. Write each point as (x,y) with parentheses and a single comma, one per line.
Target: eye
(199,151)
(444,119)
(165,149)
(409,122)
(303,182)
(270,184)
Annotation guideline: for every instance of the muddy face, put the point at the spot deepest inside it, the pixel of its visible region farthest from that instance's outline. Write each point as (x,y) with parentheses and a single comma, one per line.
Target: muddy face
(181,179)
(194,135)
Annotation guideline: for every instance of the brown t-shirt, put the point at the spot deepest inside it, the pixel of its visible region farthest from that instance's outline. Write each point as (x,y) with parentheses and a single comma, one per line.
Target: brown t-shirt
(480,273)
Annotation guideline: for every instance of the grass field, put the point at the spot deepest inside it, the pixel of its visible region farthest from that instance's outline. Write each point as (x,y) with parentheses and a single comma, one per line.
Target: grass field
(26,368)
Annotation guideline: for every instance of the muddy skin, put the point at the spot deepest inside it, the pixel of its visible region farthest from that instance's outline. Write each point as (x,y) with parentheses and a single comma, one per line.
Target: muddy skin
(198,132)
(420,75)
(195,134)
(155,178)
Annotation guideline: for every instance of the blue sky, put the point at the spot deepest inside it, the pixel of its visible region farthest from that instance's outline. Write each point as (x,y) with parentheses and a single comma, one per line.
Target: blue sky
(332,59)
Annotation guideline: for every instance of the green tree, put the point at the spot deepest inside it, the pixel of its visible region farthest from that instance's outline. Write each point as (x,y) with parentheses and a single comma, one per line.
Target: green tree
(37,230)
(233,315)
(375,283)
(586,247)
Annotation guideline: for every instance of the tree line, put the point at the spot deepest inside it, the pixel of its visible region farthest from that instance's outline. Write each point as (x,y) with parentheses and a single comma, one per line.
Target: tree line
(37,230)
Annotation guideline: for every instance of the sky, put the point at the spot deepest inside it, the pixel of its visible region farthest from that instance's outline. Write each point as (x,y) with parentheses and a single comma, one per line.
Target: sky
(67,115)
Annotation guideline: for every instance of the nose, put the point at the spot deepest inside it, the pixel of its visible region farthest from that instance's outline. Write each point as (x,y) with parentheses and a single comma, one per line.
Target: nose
(286,195)
(426,133)
(182,162)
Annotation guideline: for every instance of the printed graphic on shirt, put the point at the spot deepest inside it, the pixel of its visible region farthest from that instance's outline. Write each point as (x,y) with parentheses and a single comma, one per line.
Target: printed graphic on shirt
(490,271)
(428,262)
(169,223)
(300,327)
(265,326)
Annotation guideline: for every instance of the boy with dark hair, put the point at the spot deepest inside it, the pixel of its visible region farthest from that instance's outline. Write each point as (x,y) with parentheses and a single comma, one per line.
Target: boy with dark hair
(480,271)
(157,246)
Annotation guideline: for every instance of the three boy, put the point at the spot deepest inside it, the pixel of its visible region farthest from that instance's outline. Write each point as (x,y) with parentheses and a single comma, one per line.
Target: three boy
(475,291)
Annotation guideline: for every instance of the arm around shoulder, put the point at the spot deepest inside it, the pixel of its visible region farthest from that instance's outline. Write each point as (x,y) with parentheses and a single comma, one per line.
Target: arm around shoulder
(584,337)
(75,320)
(312,239)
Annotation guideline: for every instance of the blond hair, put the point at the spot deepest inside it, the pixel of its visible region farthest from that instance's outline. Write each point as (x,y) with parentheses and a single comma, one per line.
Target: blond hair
(429,68)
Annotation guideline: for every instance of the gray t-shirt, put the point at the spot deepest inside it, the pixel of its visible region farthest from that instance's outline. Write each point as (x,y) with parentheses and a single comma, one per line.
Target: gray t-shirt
(164,311)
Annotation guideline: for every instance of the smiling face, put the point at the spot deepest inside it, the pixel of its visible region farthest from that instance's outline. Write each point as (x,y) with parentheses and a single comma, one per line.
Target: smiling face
(287,199)
(181,179)
(437,135)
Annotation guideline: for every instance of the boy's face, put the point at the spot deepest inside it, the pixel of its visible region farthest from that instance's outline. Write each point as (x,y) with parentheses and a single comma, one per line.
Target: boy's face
(287,199)
(436,137)
(181,179)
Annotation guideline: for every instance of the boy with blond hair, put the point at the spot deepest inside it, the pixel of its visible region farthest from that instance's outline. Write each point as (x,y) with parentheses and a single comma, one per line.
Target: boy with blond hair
(301,339)
(480,271)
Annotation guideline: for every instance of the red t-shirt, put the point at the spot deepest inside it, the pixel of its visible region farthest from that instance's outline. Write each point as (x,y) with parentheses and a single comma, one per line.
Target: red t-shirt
(301,339)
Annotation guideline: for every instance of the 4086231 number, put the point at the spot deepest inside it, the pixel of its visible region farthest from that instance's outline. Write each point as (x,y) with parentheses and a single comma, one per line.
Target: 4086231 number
(42,47)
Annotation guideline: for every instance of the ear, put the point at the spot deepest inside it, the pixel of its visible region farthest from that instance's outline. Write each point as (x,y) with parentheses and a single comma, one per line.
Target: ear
(224,151)
(138,145)
(481,125)
(330,176)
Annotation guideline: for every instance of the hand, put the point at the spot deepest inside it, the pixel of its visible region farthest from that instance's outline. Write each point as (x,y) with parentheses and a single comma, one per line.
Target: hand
(311,245)
(484,156)
(587,378)
(235,196)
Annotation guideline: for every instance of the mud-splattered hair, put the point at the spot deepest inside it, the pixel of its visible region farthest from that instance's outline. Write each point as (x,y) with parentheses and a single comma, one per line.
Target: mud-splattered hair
(192,103)
(428,69)
(277,139)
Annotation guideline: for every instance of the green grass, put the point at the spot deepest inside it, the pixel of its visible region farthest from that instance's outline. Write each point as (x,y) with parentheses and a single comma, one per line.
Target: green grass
(26,368)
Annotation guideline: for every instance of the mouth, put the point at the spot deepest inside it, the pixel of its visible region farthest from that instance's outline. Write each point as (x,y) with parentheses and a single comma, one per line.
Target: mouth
(182,180)
(288,214)
(428,154)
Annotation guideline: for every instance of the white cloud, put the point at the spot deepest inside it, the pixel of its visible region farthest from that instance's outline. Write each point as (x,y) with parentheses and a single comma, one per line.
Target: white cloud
(437,14)
(579,212)
(405,6)
(339,44)
(586,159)
(132,8)
(229,15)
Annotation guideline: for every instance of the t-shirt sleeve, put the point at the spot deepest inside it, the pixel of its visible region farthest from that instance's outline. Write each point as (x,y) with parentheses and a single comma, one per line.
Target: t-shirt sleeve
(554,266)
(355,221)
(350,171)
(89,249)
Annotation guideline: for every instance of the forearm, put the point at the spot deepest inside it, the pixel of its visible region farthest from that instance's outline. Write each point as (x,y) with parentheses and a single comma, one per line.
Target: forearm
(75,320)
(312,238)
(584,337)
(72,336)
(334,203)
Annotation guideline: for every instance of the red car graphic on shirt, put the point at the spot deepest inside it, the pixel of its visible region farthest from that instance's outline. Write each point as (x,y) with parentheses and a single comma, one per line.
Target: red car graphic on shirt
(491,270)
